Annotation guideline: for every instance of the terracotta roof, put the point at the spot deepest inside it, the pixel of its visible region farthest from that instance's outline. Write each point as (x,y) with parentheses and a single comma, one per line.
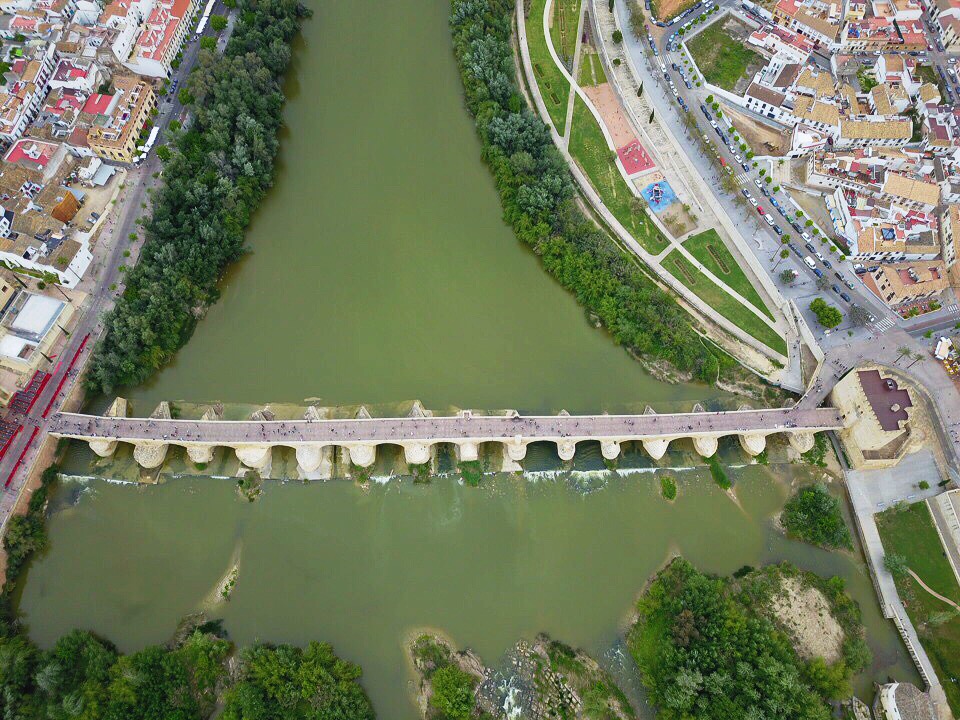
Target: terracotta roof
(764,94)
(916,190)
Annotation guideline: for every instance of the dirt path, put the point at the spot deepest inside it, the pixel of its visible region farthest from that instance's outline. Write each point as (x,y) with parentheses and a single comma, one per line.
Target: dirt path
(937,595)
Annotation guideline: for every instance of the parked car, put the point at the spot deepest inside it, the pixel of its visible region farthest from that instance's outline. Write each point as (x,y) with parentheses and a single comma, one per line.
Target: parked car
(849,284)
(760,210)
(845,296)
(746,168)
(769,220)
(811,247)
(838,276)
(753,201)
(810,263)
(764,191)
(804,234)
(796,250)
(827,264)
(746,193)
(818,272)
(777,229)
(860,270)
(737,157)
(781,210)
(756,181)
(819,256)
(835,288)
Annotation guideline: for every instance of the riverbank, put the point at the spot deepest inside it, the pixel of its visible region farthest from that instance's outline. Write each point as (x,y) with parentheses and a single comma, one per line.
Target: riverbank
(219,171)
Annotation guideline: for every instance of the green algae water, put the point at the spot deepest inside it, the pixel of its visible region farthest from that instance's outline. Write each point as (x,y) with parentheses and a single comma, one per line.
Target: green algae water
(364,568)
(380,267)
(380,271)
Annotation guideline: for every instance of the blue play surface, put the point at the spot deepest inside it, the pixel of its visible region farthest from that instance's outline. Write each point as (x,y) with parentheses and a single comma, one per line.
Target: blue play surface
(668,198)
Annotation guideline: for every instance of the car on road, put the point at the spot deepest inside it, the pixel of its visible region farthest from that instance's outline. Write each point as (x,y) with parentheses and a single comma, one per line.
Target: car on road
(753,201)
(845,296)
(781,210)
(835,288)
(761,211)
(811,247)
(796,250)
(819,256)
(805,235)
(745,167)
(827,264)
(737,157)
(810,263)
(756,181)
(687,83)
(952,61)
(773,201)
(746,193)
(838,276)
(776,228)
(769,220)
(764,191)
(818,272)
(849,284)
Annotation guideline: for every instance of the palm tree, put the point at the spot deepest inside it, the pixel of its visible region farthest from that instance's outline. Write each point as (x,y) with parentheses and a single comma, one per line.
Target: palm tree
(917,357)
(901,351)
(784,254)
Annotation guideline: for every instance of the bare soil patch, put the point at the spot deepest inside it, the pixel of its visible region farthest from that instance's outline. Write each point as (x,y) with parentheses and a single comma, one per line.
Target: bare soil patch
(805,614)
(605,100)
(762,139)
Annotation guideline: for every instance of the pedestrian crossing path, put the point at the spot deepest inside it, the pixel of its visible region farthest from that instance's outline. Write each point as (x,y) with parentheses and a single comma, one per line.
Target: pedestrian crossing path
(953,309)
(881,326)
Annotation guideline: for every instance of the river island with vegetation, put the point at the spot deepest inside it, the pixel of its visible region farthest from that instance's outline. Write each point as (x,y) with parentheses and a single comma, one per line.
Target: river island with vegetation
(774,642)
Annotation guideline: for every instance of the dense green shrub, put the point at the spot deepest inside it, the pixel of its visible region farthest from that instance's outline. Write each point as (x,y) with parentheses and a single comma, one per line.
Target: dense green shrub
(538,200)
(27,534)
(453,692)
(219,169)
(703,655)
(813,514)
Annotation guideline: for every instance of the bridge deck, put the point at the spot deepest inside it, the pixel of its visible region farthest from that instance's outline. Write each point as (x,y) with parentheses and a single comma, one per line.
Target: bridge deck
(477,428)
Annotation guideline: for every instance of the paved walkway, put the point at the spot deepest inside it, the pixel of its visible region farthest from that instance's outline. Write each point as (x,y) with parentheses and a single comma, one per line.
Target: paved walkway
(463,427)
(930,590)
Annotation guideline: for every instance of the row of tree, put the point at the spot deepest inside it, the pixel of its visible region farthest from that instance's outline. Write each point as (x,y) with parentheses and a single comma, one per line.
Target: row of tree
(537,194)
(215,177)
(83,676)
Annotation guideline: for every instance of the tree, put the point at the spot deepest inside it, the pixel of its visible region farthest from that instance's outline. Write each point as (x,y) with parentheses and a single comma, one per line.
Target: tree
(709,100)
(185,97)
(895,564)
(901,352)
(784,254)
(208,43)
(787,276)
(617,37)
(218,23)
(859,317)
(827,315)
(822,282)
(814,515)
(164,153)
(453,692)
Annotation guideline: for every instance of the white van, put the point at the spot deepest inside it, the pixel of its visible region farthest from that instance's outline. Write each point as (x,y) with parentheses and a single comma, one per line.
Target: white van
(809,261)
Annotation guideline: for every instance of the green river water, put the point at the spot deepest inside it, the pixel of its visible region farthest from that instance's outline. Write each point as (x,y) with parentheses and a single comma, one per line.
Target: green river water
(382,272)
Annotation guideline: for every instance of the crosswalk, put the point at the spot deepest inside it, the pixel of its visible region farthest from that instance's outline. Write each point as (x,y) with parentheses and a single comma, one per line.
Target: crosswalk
(881,326)
(953,309)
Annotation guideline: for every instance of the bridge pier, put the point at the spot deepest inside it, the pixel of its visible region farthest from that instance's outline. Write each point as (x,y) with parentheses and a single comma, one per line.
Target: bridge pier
(610,449)
(513,452)
(150,454)
(656,447)
(706,446)
(417,453)
(362,455)
(467,451)
(801,441)
(753,443)
(103,448)
(256,457)
(200,454)
(566,449)
(315,459)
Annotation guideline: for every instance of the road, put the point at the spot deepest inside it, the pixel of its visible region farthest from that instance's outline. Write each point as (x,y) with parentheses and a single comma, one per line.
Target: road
(768,242)
(17,463)
(437,429)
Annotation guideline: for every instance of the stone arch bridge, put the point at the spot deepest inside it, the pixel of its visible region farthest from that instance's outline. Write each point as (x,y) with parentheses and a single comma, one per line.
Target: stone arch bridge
(315,437)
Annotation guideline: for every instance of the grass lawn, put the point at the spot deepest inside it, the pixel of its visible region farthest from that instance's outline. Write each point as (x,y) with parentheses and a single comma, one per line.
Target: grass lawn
(591,69)
(563,31)
(714,296)
(589,148)
(553,85)
(911,533)
(722,59)
(708,248)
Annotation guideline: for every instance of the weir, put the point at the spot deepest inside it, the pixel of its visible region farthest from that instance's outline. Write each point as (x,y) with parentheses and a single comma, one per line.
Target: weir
(315,438)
